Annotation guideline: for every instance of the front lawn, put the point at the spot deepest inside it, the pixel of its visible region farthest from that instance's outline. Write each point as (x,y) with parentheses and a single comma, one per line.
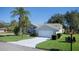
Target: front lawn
(60,44)
(11,38)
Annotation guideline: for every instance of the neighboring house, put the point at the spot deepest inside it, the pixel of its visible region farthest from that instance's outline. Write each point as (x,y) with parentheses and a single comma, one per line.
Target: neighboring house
(47,30)
(3,30)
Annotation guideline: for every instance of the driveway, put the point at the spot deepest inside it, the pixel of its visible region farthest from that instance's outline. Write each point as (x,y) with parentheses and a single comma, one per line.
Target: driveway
(30,42)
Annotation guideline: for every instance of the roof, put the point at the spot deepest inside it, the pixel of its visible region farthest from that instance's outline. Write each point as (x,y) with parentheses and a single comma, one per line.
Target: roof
(53,26)
(3,28)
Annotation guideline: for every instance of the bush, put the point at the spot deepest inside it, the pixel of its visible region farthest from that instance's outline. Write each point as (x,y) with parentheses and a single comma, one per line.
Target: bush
(74,39)
(53,37)
(16,30)
(58,35)
(68,39)
(33,33)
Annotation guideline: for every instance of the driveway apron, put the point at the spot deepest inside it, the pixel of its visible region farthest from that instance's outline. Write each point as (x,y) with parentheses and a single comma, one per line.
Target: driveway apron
(30,42)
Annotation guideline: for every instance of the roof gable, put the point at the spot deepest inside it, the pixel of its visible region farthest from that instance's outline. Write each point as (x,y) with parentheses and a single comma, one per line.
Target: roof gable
(51,26)
(45,27)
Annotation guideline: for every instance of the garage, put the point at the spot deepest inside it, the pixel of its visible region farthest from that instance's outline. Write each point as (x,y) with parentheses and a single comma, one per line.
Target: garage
(45,33)
(47,30)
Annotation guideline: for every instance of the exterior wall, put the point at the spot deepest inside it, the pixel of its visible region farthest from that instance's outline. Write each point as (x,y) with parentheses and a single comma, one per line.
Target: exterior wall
(1,30)
(61,30)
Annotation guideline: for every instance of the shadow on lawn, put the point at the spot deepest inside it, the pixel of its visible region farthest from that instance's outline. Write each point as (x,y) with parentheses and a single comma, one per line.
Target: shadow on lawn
(10,35)
(6,35)
(1,35)
(52,49)
(62,41)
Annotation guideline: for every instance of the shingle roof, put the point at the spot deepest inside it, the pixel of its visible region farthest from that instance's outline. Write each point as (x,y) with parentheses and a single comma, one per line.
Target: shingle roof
(57,26)
(3,28)
(54,26)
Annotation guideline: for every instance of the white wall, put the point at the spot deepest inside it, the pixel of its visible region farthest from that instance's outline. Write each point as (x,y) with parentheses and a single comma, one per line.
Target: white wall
(1,30)
(60,31)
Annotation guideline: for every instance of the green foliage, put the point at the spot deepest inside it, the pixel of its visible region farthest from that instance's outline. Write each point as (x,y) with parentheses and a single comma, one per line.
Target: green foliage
(57,18)
(69,19)
(59,35)
(25,23)
(12,25)
(34,34)
(19,11)
(72,19)
(23,18)
(2,24)
(16,30)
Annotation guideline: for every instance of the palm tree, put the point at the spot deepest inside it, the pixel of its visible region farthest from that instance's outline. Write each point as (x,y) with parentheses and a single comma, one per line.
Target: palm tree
(20,12)
(25,24)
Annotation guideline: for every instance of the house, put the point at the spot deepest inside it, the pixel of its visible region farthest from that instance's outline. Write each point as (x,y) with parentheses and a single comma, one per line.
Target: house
(47,30)
(3,30)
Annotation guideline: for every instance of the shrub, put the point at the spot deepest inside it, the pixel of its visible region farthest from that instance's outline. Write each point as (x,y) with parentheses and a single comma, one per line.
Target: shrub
(33,34)
(58,35)
(68,39)
(74,39)
(53,37)
(16,30)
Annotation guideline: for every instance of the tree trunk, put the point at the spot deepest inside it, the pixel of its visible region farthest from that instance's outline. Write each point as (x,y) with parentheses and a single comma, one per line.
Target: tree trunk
(20,31)
(20,27)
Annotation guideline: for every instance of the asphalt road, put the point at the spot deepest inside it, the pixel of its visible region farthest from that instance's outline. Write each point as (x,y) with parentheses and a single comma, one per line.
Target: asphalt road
(13,47)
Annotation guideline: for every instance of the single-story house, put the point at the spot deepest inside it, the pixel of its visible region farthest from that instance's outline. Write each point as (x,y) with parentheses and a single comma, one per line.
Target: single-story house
(3,30)
(47,30)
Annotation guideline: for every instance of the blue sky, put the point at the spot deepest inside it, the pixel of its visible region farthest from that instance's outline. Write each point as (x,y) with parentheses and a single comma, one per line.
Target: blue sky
(38,15)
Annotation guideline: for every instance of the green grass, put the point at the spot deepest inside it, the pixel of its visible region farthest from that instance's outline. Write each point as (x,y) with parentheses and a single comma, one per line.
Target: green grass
(60,44)
(12,38)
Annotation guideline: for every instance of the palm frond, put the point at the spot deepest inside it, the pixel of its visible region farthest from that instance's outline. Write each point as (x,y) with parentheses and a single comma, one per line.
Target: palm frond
(14,13)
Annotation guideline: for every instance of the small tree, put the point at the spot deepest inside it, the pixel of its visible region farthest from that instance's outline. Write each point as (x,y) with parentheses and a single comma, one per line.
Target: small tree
(16,30)
(13,24)
(13,27)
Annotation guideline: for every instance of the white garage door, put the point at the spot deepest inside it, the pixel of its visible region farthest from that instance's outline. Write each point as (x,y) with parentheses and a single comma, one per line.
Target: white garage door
(45,33)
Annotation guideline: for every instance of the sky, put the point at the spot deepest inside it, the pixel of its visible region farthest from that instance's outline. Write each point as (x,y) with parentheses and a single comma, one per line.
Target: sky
(38,15)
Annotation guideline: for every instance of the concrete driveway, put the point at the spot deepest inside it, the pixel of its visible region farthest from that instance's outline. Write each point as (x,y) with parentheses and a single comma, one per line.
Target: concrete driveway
(30,42)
